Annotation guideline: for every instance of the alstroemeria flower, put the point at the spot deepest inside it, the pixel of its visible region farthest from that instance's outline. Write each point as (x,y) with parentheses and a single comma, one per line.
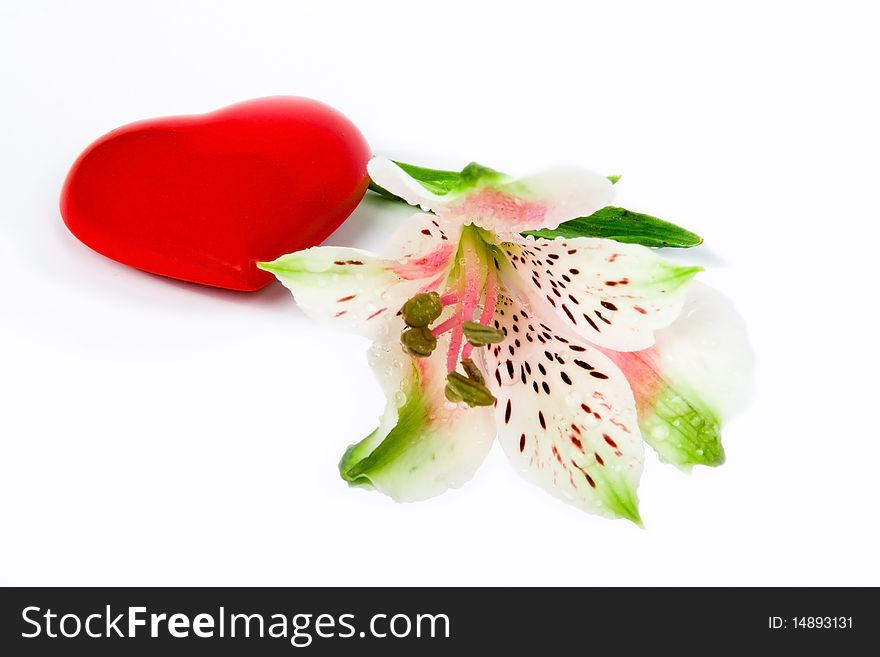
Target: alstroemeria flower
(558,326)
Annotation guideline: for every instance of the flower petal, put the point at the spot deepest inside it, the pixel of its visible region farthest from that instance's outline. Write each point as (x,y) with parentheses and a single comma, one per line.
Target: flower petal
(509,206)
(359,291)
(348,287)
(566,415)
(614,295)
(499,203)
(422,247)
(696,375)
(424,444)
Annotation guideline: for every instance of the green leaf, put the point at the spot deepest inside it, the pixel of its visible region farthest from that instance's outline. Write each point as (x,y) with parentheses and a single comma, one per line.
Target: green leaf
(437,181)
(623,226)
(609,222)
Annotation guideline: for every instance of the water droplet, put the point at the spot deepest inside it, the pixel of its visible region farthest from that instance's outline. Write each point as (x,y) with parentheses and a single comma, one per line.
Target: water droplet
(660,432)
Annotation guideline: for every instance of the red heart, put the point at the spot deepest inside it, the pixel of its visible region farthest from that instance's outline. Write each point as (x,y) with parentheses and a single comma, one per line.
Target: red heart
(202,198)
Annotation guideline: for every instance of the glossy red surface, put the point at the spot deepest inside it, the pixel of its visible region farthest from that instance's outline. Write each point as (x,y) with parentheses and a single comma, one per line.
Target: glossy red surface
(202,198)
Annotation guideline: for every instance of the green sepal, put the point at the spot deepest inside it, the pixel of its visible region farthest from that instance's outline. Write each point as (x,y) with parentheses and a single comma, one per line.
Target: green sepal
(623,225)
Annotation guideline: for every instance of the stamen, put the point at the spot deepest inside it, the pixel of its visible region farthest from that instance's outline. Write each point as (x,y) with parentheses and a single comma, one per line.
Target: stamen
(491,297)
(488,306)
(450,323)
(471,282)
(479,335)
(462,388)
(422,309)
(466,305)
(471,369)
(449,298)
(454,344)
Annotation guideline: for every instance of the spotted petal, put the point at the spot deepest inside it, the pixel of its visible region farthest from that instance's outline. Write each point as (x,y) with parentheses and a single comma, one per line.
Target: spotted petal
(696,376)
(566,415)
(611,294)
(499,203)
(422,248)
(360,291)
(424,444)
(348,287)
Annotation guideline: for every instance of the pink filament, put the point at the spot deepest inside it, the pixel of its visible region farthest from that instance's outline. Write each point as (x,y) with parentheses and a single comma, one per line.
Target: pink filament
(491,297)
(471,283)
(440,329)
(454,347)
(466,306)
(488,307)
(449,298)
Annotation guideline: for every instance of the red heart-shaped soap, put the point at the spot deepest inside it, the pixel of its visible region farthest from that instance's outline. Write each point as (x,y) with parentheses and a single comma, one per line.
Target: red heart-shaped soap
(202,198)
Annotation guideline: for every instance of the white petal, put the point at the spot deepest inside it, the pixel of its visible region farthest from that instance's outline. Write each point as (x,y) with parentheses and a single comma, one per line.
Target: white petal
(387,174)
(696,376)
(611,294)
(359,291)
(566,416)
(346,287)
(501,204)
(545,200)
(708,347)
(423,247)
(424,444)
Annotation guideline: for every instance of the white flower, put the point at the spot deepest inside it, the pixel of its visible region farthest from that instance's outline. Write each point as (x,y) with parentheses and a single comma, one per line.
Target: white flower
(570,313)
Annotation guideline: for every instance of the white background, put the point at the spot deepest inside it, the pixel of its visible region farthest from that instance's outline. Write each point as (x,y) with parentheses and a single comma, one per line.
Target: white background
(155,432)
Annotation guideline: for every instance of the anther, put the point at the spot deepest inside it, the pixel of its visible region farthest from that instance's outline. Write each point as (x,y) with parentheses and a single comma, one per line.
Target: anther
(422,309)
(418,342)
(473,372)
(479,335)
(473,393)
